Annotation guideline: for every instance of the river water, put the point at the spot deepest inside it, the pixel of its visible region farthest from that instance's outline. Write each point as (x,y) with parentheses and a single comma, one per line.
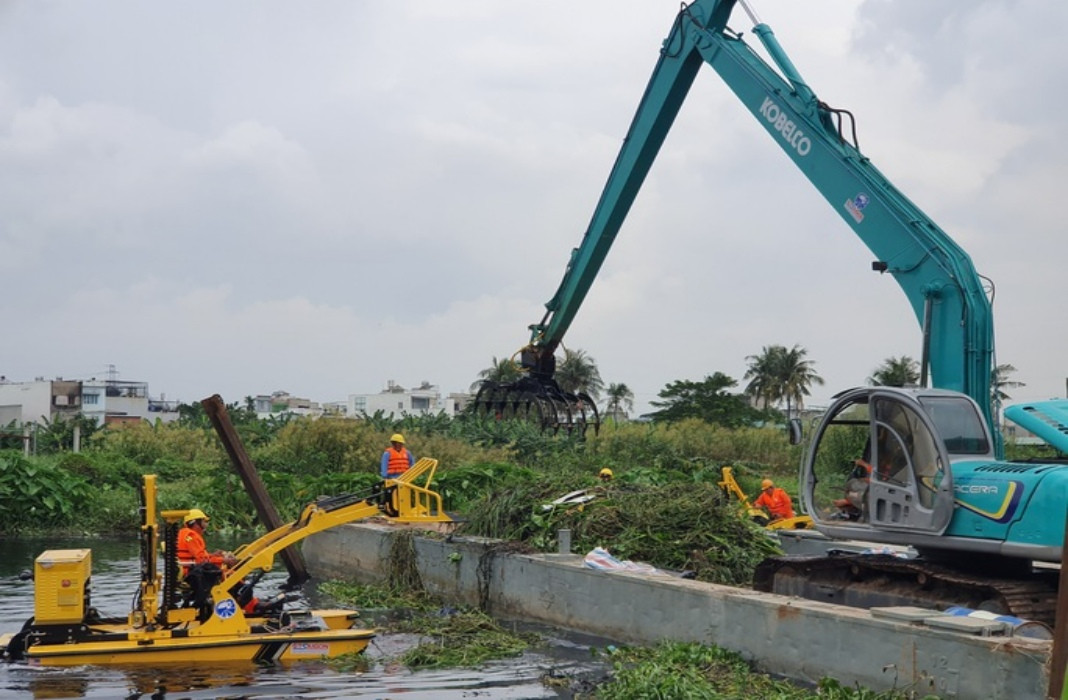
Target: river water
(115,579)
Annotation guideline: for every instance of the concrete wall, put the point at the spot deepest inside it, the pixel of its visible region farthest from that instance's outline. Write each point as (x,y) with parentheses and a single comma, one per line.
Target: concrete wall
(35,399)
(794,638)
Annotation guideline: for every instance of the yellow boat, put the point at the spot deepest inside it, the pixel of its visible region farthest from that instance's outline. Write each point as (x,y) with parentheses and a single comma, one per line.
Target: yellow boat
(172,622)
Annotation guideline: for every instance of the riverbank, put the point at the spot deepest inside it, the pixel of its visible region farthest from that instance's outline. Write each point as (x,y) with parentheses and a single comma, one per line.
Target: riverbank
(797,639)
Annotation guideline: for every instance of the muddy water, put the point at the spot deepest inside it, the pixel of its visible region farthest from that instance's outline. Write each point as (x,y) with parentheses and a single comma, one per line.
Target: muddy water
(115,578)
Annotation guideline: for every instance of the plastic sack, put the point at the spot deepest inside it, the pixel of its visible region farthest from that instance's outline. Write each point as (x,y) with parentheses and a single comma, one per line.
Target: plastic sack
(601,560)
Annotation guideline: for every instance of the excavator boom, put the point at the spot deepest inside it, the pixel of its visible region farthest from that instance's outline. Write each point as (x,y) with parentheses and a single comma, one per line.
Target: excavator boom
(946,294)
(923,461)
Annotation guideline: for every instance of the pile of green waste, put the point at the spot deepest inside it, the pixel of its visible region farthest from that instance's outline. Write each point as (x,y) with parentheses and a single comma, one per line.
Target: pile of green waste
(675,526)
(449,637)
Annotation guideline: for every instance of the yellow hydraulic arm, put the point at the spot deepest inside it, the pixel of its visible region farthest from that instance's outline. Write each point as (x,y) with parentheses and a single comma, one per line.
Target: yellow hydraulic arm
(400,499)
(731,488)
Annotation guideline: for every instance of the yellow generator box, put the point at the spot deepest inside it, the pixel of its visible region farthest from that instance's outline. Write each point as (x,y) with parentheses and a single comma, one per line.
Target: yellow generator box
(61,586)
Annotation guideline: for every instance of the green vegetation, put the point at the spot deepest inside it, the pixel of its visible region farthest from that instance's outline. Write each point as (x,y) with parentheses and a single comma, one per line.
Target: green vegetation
(781,375)
(466,638)
(577,372)
(448,637)
(369,598)
(96,490)
(39,491)
(686,671)
(663,507)
(677,525)
(708,400)
(896,371)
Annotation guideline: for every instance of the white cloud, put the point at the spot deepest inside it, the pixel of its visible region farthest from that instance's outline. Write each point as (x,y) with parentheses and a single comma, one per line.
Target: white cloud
(240,198)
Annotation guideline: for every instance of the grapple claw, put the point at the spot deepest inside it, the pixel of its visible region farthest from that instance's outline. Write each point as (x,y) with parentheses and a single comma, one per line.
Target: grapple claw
(539,400)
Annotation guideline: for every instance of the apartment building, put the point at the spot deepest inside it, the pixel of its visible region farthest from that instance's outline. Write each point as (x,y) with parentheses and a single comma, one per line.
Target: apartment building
(105,400)
(397,401)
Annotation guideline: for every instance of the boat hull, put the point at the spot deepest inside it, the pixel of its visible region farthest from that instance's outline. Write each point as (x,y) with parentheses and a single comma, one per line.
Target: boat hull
(297,636)
(255,647)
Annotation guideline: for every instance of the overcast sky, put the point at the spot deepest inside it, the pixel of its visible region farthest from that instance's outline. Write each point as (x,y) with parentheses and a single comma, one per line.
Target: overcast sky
(320,197)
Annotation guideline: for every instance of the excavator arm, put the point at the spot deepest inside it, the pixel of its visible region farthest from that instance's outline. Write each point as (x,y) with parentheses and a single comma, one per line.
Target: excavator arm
(406,499)
(400,499)
(938,278)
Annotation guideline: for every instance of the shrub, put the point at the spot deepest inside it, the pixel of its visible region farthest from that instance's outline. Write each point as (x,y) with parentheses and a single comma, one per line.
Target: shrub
(148,443)
(38,494)
(312,448)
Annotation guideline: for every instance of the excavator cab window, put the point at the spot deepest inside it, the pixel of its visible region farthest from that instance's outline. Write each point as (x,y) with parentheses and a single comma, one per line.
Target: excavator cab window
(905,451)
(876,460)
(959,423)
(909,486)
(839,450)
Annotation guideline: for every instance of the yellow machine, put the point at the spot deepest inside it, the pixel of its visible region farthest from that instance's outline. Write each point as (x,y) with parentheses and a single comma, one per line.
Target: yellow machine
(731,488)
(62,579)
(171,622)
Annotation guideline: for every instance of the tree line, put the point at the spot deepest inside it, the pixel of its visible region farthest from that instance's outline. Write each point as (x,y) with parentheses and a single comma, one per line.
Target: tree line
(778,381)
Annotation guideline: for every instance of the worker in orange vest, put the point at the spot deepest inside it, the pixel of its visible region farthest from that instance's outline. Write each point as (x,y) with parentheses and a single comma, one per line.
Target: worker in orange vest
(397,459)
(776,500)
(192,549)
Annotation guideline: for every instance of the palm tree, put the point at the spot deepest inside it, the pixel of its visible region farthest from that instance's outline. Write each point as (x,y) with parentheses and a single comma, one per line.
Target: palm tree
(620,400)
(797,375)
(193,415)
(578,373)
(999,382)
(896,371)
(779,374)
(501,371)
(762,385)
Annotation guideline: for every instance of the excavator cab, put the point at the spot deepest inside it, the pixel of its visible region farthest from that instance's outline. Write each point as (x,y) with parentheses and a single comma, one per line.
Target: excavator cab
(878,461)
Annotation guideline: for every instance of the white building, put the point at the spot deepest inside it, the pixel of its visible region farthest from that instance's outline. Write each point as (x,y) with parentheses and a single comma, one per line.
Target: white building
(281,402)
(397,401)
(105,400)
(38,401)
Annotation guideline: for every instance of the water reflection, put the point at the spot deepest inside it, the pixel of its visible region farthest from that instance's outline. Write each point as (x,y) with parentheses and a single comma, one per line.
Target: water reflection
(98,682)
(514,678)
(115,578)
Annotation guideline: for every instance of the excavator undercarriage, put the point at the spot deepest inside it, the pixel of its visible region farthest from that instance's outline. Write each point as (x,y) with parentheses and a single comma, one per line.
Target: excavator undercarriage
(883,580)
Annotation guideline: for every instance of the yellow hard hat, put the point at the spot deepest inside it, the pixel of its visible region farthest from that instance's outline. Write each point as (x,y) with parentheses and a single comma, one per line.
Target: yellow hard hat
(605,473)
(766,483)
(397,437)
(194,514)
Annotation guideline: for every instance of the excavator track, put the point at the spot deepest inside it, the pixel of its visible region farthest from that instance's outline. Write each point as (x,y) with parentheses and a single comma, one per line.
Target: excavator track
(879,580)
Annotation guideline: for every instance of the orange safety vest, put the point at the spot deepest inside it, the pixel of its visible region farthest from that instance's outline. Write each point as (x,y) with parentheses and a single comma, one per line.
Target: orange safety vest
(778,503)
(399,461)
(193,550)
